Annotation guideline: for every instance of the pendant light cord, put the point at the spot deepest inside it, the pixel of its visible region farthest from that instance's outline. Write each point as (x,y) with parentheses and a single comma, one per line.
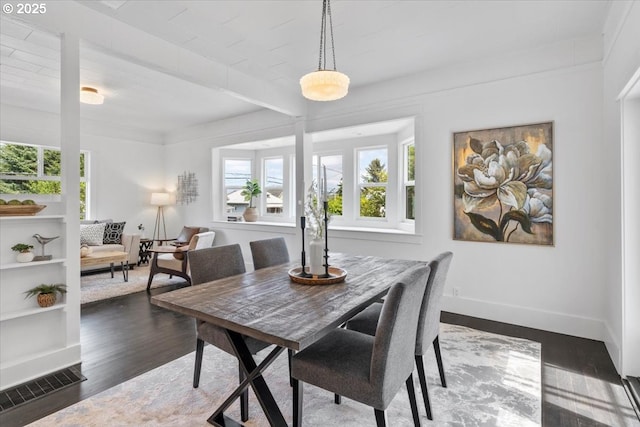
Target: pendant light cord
(322,60)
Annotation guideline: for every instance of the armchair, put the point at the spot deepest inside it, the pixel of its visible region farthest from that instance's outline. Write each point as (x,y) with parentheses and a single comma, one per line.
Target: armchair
(174,260)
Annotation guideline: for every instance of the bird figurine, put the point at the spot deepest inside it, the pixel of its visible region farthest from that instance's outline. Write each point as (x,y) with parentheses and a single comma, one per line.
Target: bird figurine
(43,241)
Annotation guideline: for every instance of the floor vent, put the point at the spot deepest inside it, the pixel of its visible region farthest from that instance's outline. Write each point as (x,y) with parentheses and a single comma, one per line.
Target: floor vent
(27,392)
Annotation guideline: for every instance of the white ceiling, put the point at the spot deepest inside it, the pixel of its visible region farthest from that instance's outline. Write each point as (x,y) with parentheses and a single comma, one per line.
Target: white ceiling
(277,42)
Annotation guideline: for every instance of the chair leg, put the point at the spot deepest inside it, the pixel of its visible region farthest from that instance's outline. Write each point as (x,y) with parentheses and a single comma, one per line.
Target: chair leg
(337,399)
(423,384)
(412,401)
(151,274)
(297,402)
(381,418)
(198,365)
(244,398)
(436,349)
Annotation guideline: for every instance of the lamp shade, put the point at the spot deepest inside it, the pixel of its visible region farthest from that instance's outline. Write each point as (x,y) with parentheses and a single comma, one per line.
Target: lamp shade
(89,95)
(324,85)
(160,199)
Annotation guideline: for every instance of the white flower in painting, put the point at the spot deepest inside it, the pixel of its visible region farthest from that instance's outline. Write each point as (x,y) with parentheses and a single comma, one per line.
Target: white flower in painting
(539,206)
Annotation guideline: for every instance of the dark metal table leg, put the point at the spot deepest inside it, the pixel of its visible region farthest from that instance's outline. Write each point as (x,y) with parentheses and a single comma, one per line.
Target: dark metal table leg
(111,270)
(253,377)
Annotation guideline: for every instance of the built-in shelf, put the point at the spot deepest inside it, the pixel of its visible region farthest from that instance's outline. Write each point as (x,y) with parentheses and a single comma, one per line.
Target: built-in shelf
(30,311)
(31,264)
(31,217)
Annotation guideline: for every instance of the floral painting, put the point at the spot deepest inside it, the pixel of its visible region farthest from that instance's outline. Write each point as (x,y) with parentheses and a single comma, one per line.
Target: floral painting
(503,184)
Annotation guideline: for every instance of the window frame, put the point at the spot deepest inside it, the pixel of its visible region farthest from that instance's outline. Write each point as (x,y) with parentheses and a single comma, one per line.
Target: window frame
(406,182)
(41,176)
(263,185)
(359,186)
(224,187)
(317,172)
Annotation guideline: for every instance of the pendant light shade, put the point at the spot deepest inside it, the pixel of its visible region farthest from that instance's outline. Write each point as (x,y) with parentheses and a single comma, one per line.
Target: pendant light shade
(325,84)
(89,95)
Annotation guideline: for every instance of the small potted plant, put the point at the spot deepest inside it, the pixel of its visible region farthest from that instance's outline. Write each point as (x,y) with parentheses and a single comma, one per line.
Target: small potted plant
(250,190)
(47,294)
(24,253)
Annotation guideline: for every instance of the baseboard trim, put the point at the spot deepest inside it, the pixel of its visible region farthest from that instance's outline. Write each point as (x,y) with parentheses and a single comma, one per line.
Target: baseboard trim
(39,365)
(561,323)
(613,347)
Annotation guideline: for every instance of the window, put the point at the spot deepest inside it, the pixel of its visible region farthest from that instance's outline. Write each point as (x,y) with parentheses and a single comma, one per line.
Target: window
(236,174)
(35,169)
(372,182)
(332,165)
(370,176)
(409,185)
(273,185)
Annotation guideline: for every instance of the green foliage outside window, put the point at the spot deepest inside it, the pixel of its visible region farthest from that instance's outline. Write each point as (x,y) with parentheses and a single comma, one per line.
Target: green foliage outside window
(373,199)
(21,161)
(335,201)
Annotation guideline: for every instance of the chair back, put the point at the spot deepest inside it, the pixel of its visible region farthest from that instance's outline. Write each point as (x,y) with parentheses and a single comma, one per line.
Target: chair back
(429,320)
(392,358)
(269,252)
(202,240)
(215,263)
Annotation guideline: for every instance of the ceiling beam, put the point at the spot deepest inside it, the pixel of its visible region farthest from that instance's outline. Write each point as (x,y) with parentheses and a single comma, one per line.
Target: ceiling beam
(137,46)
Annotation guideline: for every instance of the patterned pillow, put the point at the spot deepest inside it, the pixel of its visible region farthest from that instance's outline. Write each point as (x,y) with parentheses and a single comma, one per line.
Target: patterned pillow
(113,233)
(92,234)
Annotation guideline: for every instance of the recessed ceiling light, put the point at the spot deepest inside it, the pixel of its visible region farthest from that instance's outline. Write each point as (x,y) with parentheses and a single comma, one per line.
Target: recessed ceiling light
(89,95)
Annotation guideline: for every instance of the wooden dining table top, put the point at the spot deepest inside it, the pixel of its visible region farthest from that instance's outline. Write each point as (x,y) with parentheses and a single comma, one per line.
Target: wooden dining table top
(265,304)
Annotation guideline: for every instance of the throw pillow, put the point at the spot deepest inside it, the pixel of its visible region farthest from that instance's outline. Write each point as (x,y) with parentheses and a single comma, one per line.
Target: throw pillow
(92,234)
(183,239)
(186,234)
(113,233)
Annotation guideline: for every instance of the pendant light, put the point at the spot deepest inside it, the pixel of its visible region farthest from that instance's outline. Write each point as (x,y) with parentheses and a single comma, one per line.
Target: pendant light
(325,84)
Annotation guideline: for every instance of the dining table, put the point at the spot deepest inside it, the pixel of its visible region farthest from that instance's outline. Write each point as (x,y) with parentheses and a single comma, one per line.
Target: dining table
(267,305)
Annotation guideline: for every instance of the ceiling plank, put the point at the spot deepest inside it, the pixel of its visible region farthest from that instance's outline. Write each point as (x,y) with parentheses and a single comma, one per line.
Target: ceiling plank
(155,53)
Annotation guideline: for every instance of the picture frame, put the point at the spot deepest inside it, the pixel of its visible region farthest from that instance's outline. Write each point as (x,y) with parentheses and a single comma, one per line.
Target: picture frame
(503,184)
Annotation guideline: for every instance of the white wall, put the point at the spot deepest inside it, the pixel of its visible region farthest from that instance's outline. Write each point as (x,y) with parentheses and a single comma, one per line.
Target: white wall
(125,167)
(622,59)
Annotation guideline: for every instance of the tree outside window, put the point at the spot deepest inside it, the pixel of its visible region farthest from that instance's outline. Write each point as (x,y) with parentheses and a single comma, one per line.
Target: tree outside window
(373,177)
(333,165)
(33,169)
(409,180)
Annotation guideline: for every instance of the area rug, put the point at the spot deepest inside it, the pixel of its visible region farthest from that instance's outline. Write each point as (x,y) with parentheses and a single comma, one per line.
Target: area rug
(99,286)
(493,380)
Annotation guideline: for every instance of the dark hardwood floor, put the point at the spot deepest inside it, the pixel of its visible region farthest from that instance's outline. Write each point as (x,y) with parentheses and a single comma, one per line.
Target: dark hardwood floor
(126,336)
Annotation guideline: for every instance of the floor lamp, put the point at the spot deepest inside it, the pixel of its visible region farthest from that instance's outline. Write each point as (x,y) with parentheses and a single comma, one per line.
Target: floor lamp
(160,200)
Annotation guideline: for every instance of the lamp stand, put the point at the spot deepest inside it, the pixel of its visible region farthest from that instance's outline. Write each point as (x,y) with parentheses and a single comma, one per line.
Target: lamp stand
(156,227)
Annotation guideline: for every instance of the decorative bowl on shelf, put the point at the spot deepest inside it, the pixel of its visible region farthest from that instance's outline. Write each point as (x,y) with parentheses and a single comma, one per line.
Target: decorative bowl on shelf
(336,275)
(20,210)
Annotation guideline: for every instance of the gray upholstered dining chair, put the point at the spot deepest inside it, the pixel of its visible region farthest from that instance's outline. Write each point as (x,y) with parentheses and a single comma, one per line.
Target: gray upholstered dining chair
(368,369)
(207,265)
(269,252)
(428,323)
